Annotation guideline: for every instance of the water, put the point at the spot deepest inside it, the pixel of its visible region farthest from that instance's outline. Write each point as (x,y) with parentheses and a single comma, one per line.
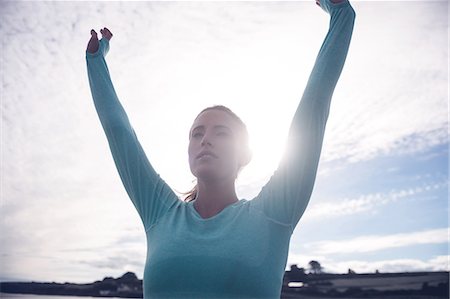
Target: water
(29,296)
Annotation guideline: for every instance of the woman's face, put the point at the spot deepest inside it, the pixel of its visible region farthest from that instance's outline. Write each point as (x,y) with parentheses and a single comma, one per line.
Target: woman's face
(213,146)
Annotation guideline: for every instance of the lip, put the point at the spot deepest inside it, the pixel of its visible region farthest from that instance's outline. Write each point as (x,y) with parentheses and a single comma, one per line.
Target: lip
(206,153)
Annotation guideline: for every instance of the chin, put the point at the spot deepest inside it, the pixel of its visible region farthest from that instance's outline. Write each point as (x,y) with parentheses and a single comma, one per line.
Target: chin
(205,173)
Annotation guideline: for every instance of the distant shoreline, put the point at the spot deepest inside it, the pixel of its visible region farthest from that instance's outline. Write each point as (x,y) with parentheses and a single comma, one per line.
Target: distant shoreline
(296,284)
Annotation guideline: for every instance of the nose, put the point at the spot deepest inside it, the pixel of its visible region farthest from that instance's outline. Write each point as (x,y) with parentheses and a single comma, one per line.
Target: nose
(206,140)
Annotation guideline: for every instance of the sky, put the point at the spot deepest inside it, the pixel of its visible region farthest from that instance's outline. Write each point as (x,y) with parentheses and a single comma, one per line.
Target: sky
(380,201)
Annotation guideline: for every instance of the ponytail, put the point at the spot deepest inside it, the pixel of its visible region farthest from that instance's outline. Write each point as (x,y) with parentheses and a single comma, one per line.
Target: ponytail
(191,195)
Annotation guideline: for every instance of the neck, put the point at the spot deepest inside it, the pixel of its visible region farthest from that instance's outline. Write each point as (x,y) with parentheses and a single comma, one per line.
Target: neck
(213,197)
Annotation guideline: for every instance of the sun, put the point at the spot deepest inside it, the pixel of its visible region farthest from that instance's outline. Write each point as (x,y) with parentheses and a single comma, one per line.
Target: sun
(267,143)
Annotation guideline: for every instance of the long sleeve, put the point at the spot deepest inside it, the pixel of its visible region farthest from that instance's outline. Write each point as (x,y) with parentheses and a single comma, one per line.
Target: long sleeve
(285,197)
(151,196)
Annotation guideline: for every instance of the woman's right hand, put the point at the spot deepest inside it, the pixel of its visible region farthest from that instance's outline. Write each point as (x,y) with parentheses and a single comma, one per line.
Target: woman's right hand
(93,43)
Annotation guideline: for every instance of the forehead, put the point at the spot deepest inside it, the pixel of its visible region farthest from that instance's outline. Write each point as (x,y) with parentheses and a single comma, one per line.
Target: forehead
(212,118)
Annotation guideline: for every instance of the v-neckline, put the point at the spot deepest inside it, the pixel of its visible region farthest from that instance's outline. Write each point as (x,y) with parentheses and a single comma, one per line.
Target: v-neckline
(197,214)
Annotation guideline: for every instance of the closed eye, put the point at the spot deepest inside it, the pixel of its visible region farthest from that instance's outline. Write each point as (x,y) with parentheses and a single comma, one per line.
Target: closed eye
(197,135)
(223,134)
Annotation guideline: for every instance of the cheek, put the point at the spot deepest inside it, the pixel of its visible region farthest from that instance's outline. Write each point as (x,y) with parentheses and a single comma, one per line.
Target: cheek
(229,152)
(191,151)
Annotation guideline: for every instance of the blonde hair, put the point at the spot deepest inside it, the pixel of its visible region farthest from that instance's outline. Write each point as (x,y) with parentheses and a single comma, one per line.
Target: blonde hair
(246,152)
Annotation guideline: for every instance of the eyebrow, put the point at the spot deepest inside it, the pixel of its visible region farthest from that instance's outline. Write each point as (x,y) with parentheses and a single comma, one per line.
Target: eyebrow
(215,127)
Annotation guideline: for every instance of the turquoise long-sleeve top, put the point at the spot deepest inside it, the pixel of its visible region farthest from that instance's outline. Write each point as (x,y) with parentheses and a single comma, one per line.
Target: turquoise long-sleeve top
(242,251)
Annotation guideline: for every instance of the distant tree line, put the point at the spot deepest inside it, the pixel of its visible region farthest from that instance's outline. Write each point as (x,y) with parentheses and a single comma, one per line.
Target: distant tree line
(314,267)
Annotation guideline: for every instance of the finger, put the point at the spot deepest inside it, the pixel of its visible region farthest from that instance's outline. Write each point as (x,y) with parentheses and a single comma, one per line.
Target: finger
(106,31)
(93,33)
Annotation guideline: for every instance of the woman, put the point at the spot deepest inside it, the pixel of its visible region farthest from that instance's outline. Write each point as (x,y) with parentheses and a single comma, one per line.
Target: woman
(215,245)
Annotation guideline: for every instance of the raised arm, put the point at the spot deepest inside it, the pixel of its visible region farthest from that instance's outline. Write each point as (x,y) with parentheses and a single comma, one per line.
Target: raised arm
(285,197)
(151,196)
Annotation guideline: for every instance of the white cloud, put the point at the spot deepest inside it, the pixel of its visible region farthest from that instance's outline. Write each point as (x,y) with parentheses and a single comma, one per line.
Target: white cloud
(60,189)
(392,97)
(373,243)
(438,263)
(366,202)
